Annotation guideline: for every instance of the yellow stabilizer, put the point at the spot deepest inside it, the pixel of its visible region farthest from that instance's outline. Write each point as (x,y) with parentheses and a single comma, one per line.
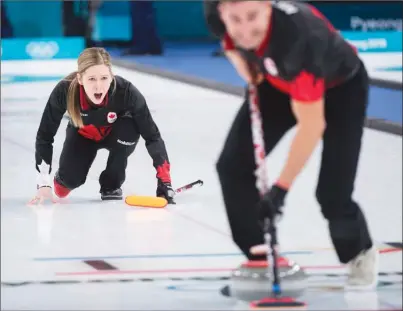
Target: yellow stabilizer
(146,201)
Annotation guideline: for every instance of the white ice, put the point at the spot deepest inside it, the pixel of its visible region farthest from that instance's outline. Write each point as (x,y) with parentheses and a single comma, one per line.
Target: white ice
(194,123)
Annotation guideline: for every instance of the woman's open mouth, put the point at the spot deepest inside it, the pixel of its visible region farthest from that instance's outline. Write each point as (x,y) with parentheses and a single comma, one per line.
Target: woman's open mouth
(98,96)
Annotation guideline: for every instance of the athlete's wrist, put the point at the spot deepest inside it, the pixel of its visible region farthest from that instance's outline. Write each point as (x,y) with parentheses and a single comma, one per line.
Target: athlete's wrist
(282,185)
(43,180)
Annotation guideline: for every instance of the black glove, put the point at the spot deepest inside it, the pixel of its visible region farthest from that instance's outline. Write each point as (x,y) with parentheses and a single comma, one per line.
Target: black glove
(165,190)
(270,206)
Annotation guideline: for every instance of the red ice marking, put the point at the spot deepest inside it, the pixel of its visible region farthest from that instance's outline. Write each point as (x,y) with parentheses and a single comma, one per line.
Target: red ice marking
(190,270)
(390,250)
(146,271)
(281,262)
(278,303)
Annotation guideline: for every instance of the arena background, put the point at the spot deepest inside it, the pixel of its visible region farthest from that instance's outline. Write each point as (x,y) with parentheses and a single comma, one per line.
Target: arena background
(375,27)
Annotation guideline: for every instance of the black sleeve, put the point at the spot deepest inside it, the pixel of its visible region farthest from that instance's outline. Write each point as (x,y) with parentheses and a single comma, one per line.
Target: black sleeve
(212,18)
(50,122)
(147,128)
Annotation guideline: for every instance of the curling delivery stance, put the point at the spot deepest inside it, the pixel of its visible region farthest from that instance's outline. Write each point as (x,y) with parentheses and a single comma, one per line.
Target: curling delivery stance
(106,112)
(307,76)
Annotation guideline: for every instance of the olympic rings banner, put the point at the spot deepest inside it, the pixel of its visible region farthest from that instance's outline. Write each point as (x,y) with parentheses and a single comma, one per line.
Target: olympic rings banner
(41,48)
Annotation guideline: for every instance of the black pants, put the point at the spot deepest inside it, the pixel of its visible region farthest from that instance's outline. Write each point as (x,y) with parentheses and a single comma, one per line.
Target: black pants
(345,113)
(79,153)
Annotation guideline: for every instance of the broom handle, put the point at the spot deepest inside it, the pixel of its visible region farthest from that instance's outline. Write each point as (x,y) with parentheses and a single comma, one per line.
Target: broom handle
(189,186)
(262,182)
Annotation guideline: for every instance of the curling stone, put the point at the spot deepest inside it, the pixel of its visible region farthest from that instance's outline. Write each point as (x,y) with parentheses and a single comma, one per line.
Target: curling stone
(253,280)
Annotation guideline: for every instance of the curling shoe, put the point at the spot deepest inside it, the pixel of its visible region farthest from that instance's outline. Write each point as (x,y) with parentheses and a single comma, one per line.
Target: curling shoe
(116,194)
(363,271)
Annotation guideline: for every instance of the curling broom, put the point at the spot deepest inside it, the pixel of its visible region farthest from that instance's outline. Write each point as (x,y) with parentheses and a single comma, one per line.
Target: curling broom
(157,202)
(276,301)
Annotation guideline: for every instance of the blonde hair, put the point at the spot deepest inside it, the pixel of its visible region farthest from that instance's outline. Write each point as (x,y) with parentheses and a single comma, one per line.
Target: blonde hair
(88,58)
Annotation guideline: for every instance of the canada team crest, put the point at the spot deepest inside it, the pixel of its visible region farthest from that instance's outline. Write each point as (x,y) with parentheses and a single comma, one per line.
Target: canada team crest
(270,66)
(112,116)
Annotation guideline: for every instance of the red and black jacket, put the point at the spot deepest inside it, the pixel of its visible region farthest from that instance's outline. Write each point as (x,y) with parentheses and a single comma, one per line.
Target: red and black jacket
(302,54)
(89,130)
(123,98)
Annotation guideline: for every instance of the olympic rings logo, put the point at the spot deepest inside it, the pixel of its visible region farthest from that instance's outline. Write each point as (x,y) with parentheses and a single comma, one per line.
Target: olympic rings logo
(42,49)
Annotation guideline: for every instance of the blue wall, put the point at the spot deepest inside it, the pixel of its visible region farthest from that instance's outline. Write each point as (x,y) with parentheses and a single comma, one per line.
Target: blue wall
(175,19)
(184,19)
(181,20)
(35,18)
(112,16)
